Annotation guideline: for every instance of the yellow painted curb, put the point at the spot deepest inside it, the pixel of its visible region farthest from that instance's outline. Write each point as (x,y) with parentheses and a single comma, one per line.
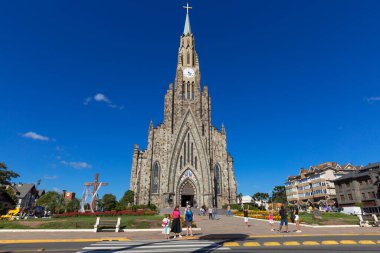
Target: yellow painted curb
(272,244)
(291,243)
(378,242)
(120,239)
(310,243)
(251,244)
(330,242)
(366,242)
(309,235)
(348,242)
(231,244)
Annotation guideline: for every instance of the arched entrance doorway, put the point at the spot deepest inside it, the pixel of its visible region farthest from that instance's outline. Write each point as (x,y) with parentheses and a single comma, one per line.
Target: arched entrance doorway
(187,193)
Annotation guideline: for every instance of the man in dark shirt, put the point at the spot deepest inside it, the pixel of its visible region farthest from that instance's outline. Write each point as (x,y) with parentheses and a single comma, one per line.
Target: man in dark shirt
(284,219)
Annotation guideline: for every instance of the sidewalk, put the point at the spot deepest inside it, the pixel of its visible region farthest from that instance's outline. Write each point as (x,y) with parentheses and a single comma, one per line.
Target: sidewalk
(223,227)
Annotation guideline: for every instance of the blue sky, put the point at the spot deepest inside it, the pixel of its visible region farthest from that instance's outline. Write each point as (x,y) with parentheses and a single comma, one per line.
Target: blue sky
(296,83)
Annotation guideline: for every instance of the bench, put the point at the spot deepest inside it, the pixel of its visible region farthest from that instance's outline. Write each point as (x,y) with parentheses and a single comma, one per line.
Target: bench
(368,220)
(101,224)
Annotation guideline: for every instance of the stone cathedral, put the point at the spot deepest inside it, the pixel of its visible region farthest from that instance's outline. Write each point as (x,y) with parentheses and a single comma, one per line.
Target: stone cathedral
(186,160)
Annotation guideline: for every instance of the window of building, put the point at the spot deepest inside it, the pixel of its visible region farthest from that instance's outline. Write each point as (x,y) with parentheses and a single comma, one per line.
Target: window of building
(192,159)
(369,181)
(349,196)
(347,185)
(181,162)
(363,195)
(184,153)
(188,57)
(218,179)
(342,197)
(155,177)
(371,195)
(188,90)
(196,163)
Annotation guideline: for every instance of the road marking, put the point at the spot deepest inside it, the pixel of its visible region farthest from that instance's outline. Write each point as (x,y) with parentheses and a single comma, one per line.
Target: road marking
(378,242)
(330,242)
(272,244)
(231,244)
(348,242)
(291,243)
(366,242)
(310,243)
(251,244)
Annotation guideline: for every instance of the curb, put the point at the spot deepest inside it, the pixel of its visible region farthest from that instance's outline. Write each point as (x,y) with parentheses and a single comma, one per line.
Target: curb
(81,230)
(309,226)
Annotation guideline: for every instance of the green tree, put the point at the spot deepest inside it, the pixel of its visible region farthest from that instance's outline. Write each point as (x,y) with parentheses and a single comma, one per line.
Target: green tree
(279,194)
(261,197)
(239,197)
(52,201)
(109,202)
(6,175)
(73,205)
(127,199)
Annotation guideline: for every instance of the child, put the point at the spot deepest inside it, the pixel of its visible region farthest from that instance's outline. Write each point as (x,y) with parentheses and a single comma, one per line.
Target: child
(297,220)
(166,226)
(245,211)
(271,220)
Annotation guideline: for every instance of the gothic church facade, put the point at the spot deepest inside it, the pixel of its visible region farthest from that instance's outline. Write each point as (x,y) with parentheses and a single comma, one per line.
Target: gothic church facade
(186,160)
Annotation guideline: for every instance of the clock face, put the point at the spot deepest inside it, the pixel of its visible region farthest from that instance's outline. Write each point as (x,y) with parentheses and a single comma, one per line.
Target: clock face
(188,72)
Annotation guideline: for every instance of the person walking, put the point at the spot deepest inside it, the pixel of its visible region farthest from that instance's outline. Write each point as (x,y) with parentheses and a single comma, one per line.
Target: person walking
(189,220)
(176,226)
(297,220)
(229,211)
(284,219)
(166,226)
(245,212)
(210,213)
(271,220)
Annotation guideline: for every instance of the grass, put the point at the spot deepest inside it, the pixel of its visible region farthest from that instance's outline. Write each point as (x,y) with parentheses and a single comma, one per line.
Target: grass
(82,222)
(330,219)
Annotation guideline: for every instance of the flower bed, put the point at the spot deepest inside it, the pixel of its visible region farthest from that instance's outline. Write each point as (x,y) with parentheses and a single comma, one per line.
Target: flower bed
(259,214)
(138,212)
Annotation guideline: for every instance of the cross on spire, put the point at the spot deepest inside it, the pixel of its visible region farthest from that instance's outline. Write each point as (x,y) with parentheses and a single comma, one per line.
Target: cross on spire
(187,7)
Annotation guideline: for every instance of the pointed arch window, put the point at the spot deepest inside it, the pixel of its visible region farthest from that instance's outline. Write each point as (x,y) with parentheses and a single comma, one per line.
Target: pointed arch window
(155,177)
(184,153)
(192,91)
(188,91)
(196,163)
(218,179)
(192,150)
(188,58)
(181,163)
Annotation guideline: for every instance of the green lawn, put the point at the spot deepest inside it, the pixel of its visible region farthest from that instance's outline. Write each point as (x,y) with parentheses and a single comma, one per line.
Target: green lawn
(331,219)
(82,222)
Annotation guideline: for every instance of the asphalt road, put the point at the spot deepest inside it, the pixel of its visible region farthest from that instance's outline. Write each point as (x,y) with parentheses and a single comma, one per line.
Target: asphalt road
(276,244)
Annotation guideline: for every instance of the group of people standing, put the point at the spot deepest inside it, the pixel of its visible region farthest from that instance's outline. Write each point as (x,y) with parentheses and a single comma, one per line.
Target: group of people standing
(294,217)
(175,225)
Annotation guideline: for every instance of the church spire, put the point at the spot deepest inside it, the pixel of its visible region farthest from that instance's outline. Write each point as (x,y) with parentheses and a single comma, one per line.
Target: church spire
(187,29)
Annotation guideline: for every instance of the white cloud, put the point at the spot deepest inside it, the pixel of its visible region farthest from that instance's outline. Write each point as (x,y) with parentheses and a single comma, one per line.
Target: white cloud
(50,177)
(35,136)
(372,99)
(103,99)
(77,165)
